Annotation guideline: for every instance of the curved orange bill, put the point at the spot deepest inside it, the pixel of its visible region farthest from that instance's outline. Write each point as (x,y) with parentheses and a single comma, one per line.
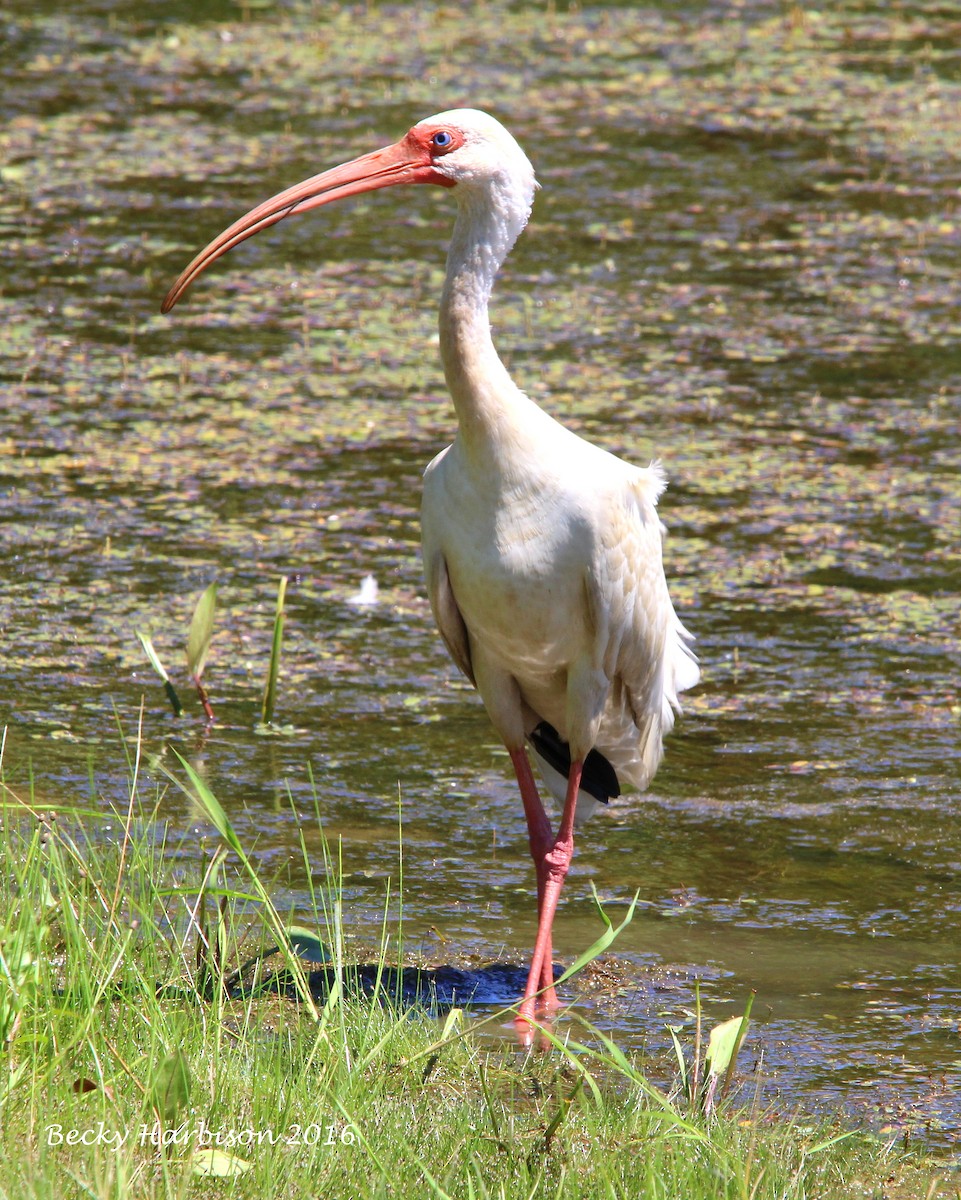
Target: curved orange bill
(407,161)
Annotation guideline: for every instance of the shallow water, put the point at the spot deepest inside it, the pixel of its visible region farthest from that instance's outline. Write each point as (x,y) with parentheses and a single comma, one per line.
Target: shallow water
(743,261)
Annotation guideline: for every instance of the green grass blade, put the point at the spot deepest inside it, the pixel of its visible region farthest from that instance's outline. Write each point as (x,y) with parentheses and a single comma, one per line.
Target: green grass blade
(673,1030)
(607,937)
(199,791)
(270,689)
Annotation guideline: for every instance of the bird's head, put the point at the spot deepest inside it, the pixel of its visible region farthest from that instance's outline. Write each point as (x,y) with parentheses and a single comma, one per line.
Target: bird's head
(464,149)
(472,149)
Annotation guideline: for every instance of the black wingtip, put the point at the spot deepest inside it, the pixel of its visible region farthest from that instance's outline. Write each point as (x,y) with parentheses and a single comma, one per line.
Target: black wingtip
(599,779)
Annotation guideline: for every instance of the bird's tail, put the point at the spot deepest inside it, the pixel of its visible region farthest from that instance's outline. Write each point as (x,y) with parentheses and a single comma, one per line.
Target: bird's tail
(599,783)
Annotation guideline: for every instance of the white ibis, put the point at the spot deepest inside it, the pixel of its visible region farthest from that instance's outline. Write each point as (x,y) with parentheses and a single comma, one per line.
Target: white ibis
(542,553)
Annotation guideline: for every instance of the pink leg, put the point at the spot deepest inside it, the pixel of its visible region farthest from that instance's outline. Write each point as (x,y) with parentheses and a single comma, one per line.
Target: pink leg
(541,841)
(552,858)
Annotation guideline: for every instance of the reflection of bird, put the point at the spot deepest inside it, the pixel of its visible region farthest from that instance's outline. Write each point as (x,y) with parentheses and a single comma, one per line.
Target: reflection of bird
(542,553)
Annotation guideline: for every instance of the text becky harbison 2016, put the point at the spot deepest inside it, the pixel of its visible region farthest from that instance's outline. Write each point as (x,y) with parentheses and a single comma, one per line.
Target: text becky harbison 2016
(199,1135)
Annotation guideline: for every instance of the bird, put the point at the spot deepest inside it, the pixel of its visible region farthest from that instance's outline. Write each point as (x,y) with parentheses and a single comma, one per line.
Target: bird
(542,552)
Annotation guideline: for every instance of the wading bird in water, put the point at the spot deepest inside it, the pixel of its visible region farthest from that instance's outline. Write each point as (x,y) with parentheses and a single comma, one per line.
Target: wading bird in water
(542,553)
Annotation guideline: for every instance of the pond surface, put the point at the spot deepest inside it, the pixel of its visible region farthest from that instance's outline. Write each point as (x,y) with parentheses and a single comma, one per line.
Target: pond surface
(744,262)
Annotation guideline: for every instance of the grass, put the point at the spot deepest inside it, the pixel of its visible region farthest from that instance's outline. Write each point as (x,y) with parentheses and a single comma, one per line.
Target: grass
(133,1064)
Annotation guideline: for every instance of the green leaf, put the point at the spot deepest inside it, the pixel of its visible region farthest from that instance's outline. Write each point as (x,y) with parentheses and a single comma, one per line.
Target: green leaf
(159,668)
(218,1162)
(307,945)
(723,1044)
(170,1090)
(201,631)
(153,656)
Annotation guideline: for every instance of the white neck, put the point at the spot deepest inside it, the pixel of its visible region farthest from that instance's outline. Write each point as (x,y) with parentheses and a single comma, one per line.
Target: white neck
(489,221)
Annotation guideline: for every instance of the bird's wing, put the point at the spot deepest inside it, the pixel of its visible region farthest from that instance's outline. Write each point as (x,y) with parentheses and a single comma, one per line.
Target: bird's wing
(644,645)
(448,615)
(443,603)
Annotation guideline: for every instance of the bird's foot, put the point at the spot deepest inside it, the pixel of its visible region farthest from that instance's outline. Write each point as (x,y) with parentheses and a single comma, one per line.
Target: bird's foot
(536,1013)
(529,1028)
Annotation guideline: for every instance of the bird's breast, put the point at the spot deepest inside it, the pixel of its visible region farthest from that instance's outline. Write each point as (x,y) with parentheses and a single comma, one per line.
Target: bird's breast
(516,555)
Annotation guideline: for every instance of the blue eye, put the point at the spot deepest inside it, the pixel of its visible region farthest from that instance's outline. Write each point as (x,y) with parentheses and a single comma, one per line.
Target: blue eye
(441,140)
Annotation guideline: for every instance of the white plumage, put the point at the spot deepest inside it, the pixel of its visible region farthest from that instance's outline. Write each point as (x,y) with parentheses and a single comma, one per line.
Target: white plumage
(542,553)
